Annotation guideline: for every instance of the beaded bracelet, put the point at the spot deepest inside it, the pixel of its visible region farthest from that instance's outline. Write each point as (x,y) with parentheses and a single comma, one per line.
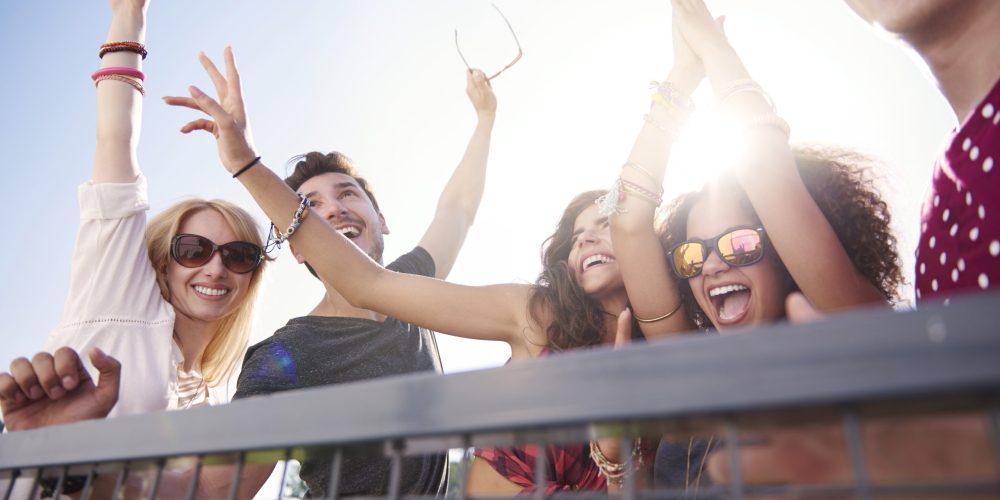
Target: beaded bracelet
(135,47)
(300,215)
(124,79)
(615,472)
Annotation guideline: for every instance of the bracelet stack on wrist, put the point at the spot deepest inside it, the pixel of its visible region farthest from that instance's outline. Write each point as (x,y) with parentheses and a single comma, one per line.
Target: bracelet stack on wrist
(615,472)
(678,105)
(130,76)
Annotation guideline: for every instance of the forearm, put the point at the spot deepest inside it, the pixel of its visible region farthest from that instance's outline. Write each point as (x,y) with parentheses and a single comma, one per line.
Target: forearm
(119,106)
(769,175)
(337,261)
(465,188)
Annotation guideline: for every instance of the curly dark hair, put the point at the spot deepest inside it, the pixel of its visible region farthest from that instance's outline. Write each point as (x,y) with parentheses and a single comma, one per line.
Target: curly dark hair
(576,320)
(842,184)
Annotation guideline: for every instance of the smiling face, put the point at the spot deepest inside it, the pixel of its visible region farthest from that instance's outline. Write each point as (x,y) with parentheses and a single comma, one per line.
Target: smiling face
(591,258)
(733,296)
(209,292)
(339,199)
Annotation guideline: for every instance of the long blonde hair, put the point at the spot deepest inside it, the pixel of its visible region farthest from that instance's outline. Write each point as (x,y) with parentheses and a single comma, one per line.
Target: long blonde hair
(227,346)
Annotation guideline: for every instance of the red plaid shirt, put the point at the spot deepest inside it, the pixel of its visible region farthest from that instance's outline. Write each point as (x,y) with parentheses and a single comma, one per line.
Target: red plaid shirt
(567,467)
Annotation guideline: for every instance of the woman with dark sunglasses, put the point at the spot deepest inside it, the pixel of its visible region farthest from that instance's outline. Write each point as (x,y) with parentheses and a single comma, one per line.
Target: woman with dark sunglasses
(172,299)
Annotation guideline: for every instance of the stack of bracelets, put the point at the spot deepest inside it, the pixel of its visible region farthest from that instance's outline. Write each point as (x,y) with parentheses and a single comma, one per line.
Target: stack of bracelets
(130,76)
(615,472)
(678,105)
(767,119)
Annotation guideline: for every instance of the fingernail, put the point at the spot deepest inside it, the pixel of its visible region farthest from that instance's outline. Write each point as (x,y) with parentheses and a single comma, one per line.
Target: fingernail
(195,91)
(36,392)
(56,392)
(68,383)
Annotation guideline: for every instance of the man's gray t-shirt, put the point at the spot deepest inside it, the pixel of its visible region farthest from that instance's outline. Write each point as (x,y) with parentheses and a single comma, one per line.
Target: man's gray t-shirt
(312,351)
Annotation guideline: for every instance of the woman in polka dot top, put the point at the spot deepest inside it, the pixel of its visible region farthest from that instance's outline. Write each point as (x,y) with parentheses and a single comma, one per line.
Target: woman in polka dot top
(959,248)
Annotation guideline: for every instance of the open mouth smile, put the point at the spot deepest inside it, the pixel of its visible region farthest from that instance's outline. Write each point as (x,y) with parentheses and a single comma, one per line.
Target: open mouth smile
(731,302)
(209,291)
(350,232)
(596,260)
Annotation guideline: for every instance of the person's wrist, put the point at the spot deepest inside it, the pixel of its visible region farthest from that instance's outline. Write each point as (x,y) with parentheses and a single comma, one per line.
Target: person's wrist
(486,117)
(686,78)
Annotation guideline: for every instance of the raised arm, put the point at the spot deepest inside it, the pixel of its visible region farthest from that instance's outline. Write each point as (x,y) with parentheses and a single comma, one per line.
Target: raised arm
(459,202)
(651,288)
(119,105)
(493,313)
(796,227)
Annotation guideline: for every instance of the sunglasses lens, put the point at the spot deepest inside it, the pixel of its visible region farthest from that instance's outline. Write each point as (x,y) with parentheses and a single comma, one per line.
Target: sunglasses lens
(741,247)
(192,251)
(688,259)
(240,256)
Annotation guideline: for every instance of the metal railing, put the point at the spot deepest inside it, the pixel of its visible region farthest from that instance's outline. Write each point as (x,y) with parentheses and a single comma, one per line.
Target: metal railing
(864,365)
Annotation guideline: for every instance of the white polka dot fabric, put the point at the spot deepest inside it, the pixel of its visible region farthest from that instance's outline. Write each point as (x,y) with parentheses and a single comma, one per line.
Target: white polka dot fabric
(960,219)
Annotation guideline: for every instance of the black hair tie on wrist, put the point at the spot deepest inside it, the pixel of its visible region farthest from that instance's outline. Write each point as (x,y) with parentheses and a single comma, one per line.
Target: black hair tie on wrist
(244,169)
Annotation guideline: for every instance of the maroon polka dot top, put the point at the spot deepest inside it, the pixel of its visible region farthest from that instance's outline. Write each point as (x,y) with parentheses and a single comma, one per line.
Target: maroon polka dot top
(959,247)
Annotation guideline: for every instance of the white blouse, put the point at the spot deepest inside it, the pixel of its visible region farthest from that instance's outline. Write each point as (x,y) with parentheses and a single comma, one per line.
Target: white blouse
(115,303)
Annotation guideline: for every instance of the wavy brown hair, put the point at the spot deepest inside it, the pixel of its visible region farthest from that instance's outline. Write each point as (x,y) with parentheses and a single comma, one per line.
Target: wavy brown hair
(574,319)
(842,184)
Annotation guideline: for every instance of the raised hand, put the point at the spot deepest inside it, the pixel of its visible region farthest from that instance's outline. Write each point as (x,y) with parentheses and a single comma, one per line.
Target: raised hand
(480,93)
(702,34)
(228,118)
(56,389)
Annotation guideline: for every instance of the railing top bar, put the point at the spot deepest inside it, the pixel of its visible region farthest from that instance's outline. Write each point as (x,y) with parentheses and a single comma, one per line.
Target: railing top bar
(852,358)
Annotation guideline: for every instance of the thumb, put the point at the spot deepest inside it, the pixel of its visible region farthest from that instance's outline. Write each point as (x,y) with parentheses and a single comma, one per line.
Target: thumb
(109,377)
(623,335)
(799,310)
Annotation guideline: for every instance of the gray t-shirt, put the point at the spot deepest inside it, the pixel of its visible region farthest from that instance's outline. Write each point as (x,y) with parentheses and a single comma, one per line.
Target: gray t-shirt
(316,350)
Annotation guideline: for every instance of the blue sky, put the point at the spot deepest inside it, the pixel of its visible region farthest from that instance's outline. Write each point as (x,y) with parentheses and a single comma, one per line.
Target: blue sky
(381,81)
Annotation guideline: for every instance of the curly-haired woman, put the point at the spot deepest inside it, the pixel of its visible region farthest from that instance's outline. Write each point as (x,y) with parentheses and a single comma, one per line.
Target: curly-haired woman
(786,219)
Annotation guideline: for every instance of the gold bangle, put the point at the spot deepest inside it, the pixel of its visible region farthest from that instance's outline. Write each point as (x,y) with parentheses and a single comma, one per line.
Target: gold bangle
(665,316)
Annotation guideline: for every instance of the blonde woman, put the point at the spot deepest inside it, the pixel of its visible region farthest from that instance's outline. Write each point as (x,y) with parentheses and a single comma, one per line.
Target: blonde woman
(172,301)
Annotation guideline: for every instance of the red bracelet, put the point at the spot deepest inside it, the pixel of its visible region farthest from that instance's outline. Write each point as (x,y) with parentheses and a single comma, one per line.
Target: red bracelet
(135,47)
(118,70)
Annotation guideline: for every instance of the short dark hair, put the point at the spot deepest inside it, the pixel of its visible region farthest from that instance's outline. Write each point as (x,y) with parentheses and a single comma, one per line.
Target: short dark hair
(315,163)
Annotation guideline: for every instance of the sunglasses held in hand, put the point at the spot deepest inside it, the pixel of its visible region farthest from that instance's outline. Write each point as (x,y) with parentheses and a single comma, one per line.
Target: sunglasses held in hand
(516,58)
(191,250)
(737,246)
